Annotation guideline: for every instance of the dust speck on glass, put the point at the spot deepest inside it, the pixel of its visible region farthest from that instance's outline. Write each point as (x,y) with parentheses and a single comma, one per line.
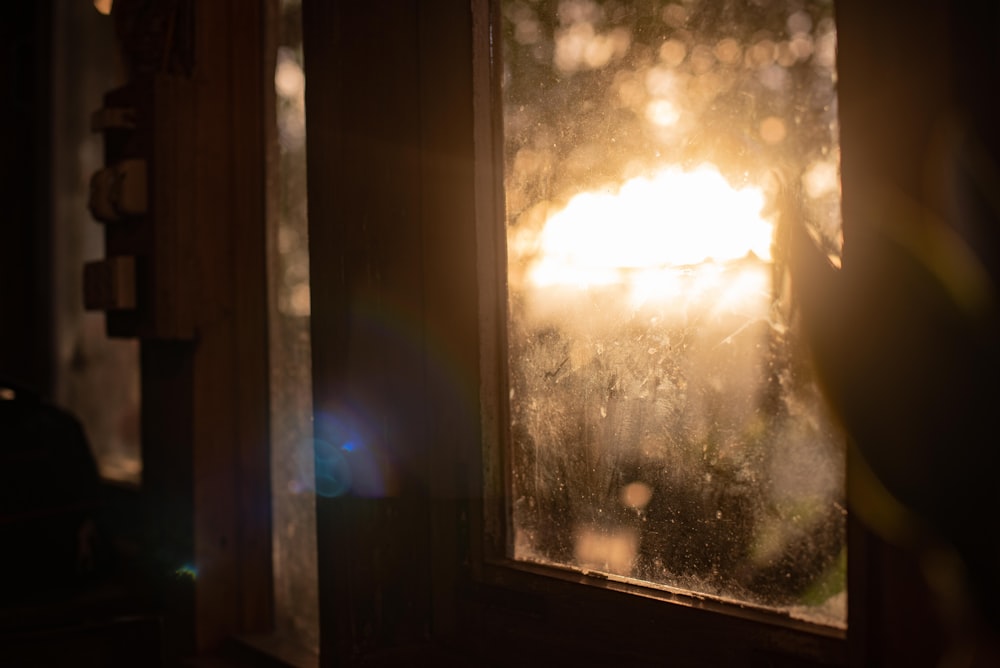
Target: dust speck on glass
(665,427)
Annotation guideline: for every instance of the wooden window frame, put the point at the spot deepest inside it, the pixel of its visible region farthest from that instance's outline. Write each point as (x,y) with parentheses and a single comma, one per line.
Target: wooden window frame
(401,165)
(399,170)
(694,620)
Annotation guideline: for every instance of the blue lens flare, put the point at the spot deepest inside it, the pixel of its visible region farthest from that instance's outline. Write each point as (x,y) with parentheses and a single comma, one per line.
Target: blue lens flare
(347,459)
(187,571)
(333,473)
(368,434)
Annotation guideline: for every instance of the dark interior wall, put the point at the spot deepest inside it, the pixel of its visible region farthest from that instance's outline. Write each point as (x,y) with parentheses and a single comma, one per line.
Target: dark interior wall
(25,287)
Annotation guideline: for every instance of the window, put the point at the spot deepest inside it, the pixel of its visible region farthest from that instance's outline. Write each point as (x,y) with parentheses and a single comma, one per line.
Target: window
(664,424)
(97,378)
(408,347)
(293,502)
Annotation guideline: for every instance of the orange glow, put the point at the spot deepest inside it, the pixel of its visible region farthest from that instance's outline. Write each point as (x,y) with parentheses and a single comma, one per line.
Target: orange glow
(672,219)
(673,238)
(772,130)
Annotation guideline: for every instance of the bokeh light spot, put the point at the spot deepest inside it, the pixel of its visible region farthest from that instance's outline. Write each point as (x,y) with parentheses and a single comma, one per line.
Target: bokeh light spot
(637,495)
(289,80)
(662,113)
(728,51)
(672,52)
(772,130)
(674,15)
(799,22)
(821,178)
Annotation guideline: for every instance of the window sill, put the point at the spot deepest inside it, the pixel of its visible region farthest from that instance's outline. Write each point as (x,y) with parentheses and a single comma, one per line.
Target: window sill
(257,651)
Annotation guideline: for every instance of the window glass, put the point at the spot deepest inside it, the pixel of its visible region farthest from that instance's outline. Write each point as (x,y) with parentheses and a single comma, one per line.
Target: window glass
(96,378)
(293,504)
(665,427)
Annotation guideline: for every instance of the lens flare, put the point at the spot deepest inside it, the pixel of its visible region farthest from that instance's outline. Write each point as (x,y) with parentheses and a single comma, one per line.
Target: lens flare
(333,473)
(349,459)
(187,572)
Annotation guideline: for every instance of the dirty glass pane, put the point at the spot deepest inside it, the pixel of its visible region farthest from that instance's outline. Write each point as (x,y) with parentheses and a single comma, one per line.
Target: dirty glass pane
(293,503)
(664,424)
(96,378)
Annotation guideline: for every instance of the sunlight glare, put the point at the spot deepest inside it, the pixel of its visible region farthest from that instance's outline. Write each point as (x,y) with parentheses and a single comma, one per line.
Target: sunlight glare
(672,219)
(662,113)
